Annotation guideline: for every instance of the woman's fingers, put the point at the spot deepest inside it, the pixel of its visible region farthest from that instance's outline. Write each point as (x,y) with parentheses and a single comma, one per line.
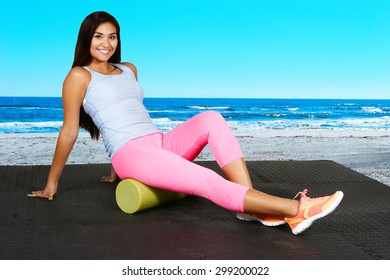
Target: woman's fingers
(104,179)
(108,179)
(41,194)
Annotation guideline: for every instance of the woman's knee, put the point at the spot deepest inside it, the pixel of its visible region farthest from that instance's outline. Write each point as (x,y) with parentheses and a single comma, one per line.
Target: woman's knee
(211,118)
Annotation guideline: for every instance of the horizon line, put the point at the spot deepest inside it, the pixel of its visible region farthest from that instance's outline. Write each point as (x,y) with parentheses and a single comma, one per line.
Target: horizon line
(171,97)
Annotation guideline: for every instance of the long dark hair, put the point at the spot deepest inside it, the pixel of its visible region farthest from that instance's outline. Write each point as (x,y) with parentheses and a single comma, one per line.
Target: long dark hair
(82,57)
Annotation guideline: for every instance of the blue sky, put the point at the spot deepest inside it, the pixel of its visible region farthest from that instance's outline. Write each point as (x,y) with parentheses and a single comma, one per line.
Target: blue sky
(241,48)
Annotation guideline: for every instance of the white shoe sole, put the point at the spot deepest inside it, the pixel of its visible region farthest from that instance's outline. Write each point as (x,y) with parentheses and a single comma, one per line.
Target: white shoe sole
(250,218)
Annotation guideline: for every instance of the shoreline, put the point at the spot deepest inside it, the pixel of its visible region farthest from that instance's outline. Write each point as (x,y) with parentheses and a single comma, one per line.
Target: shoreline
(365,151)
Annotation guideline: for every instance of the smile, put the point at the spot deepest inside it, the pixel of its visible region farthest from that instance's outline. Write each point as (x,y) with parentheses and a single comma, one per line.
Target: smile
(104,51)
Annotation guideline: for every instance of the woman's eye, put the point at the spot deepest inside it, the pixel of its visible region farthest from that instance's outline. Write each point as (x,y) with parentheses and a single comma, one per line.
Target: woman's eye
(98,36)
(113,37)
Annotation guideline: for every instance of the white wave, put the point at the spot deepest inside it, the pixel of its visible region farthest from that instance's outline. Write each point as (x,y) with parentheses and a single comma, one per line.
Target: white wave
(260,109)
(372,109)
(161,120)
(163,111)
(165,124)
(293,109)
(372,123)
(363,123)
(26,108)
(275,115)
(208,107)
(40,108)
(30,124)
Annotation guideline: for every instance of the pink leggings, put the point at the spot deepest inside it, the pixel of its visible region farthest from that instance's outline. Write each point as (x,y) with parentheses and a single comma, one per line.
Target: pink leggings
(165,161)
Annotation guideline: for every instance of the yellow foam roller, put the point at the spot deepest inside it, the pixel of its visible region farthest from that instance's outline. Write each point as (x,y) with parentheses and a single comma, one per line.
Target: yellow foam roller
(133,196)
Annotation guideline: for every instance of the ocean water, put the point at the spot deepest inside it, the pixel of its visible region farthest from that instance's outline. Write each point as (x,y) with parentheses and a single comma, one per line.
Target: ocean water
(44,114)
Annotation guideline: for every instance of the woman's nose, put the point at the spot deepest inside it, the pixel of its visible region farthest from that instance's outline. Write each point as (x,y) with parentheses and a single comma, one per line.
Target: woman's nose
(105,42)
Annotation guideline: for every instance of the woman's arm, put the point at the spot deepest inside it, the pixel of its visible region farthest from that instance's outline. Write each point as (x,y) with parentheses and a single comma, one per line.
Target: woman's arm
(73,91)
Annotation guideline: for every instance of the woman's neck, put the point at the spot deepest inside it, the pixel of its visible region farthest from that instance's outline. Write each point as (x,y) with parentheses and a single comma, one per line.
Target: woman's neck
(102,67)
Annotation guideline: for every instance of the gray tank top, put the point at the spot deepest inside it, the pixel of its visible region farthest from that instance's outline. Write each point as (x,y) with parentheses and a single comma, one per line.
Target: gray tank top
(115,104)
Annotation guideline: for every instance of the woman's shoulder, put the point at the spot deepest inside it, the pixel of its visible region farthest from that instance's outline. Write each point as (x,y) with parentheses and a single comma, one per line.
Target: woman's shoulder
(78,75)
(131,66)
(79,72)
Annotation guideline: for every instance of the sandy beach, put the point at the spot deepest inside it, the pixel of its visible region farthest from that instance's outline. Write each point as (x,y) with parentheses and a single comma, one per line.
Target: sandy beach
(366,151)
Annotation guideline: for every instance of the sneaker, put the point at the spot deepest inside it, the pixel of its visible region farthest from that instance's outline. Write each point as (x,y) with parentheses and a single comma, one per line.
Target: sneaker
(270,221)
(311,209)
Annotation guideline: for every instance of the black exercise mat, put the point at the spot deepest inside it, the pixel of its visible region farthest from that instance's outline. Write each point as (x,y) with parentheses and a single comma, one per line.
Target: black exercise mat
(84,222)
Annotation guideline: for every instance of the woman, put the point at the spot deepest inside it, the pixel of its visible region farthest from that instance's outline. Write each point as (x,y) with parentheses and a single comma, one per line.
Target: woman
(102,95)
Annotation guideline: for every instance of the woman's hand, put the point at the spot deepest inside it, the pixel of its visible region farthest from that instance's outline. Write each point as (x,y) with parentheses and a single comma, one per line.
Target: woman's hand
(109,179)
(48,193)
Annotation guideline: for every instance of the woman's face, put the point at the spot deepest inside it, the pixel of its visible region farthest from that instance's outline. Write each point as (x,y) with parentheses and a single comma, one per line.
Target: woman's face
(104,42)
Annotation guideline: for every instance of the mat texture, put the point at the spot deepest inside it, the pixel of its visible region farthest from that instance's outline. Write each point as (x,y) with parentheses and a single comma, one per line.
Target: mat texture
(84,222)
